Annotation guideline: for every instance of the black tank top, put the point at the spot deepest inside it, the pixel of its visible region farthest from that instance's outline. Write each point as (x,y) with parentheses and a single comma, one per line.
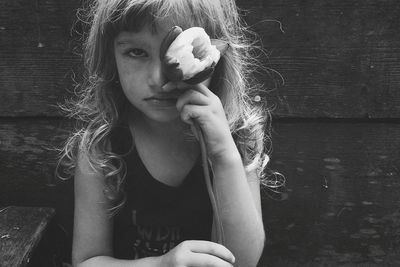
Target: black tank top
(156,217)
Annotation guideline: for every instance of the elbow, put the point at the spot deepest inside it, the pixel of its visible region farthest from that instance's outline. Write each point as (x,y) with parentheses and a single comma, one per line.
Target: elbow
(80,262)
(255,251)
(76,262)
(259,245)
(86,263)
(262,237)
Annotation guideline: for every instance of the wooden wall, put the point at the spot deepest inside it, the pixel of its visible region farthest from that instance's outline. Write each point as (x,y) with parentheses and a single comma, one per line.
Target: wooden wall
(335,116)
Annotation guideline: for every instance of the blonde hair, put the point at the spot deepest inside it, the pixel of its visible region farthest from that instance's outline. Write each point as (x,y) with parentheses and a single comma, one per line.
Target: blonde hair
(100,103)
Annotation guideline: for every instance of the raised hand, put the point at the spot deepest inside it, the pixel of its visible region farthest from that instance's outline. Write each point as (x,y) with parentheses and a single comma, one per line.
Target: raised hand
(199,104)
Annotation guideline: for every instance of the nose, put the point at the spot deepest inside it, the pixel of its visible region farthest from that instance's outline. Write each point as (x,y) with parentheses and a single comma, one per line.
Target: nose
(156,76)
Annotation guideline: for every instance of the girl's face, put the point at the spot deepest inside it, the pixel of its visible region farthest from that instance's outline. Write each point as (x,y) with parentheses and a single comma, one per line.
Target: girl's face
(139,69)
(137,56)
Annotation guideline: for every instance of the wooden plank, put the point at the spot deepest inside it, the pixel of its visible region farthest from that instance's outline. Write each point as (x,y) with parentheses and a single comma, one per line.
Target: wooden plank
(21,229)
(339,60)
(328,84)
(37,57)
(29,146)
(354,23)
(341,203)
(28,160)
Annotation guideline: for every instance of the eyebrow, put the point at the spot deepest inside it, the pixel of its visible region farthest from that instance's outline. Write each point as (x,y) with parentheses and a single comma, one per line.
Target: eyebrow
(128,41)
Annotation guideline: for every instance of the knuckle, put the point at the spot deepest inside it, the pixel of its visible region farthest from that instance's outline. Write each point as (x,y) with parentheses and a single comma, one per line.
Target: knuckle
(181,253)
(183,116)
(213,250)
(184,245)
(178,105)
(192,92)
(216,99)
(185,110)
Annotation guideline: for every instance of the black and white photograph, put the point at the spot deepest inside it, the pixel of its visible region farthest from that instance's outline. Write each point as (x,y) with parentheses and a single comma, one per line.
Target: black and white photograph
(199,133)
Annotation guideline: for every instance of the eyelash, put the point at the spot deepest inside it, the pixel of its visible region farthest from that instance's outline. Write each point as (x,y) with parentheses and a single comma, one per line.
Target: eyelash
(135,51)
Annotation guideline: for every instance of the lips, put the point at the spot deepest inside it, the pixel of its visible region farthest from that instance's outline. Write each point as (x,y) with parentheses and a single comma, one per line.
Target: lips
(162,100)
(164,97)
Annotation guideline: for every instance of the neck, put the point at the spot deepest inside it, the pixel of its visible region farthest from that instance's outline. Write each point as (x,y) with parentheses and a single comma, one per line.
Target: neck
(175,129)
(167,134)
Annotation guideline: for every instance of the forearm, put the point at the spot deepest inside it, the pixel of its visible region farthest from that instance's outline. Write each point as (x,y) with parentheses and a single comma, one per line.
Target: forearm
(107,261)
(242,223)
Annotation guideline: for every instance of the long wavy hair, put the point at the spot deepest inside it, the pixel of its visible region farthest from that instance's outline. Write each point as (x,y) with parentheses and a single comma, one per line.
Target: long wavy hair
(99,104)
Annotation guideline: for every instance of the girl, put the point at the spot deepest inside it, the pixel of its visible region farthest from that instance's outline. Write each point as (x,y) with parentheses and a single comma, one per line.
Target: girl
(140,195)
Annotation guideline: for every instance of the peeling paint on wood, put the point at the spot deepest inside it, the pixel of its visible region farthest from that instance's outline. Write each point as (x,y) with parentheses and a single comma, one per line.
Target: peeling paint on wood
(21,229)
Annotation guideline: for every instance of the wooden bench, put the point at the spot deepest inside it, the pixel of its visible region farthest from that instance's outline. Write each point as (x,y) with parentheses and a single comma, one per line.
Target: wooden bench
(21,229)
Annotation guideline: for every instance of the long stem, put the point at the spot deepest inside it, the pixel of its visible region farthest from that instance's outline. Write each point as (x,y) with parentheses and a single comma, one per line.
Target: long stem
(219,228)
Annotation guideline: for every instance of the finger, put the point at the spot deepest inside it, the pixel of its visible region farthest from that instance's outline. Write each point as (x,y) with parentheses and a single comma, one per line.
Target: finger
(211,248)
(206,260)
(201,87)
(171,86)
(191,112)
(191,97)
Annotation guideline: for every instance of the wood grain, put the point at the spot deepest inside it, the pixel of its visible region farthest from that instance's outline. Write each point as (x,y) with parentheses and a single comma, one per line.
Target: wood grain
(341,185)
(341,202)
(37,55)
(339,60)
(28,159)
(21,229)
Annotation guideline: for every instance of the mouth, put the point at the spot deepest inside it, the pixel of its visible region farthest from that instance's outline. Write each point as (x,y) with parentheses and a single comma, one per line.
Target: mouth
(162,100)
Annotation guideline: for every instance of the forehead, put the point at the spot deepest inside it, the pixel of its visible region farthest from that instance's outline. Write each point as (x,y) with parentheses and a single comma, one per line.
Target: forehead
(145,35)
(136,19)
(156,16)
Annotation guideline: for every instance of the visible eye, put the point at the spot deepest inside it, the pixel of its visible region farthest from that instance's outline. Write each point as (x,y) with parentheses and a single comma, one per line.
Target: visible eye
(136,52)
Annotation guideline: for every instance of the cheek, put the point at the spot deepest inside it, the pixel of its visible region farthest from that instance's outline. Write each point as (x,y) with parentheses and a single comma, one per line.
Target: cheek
(126,75)
(129,72)
(122,69)
(131,82)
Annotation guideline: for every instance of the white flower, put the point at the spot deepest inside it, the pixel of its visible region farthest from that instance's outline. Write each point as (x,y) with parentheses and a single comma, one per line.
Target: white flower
(190,56)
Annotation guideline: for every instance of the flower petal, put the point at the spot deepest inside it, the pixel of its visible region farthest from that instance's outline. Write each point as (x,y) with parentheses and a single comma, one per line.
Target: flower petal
(191,55)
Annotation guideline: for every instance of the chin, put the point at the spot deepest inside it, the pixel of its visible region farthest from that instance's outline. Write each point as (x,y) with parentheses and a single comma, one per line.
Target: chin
(163,116)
